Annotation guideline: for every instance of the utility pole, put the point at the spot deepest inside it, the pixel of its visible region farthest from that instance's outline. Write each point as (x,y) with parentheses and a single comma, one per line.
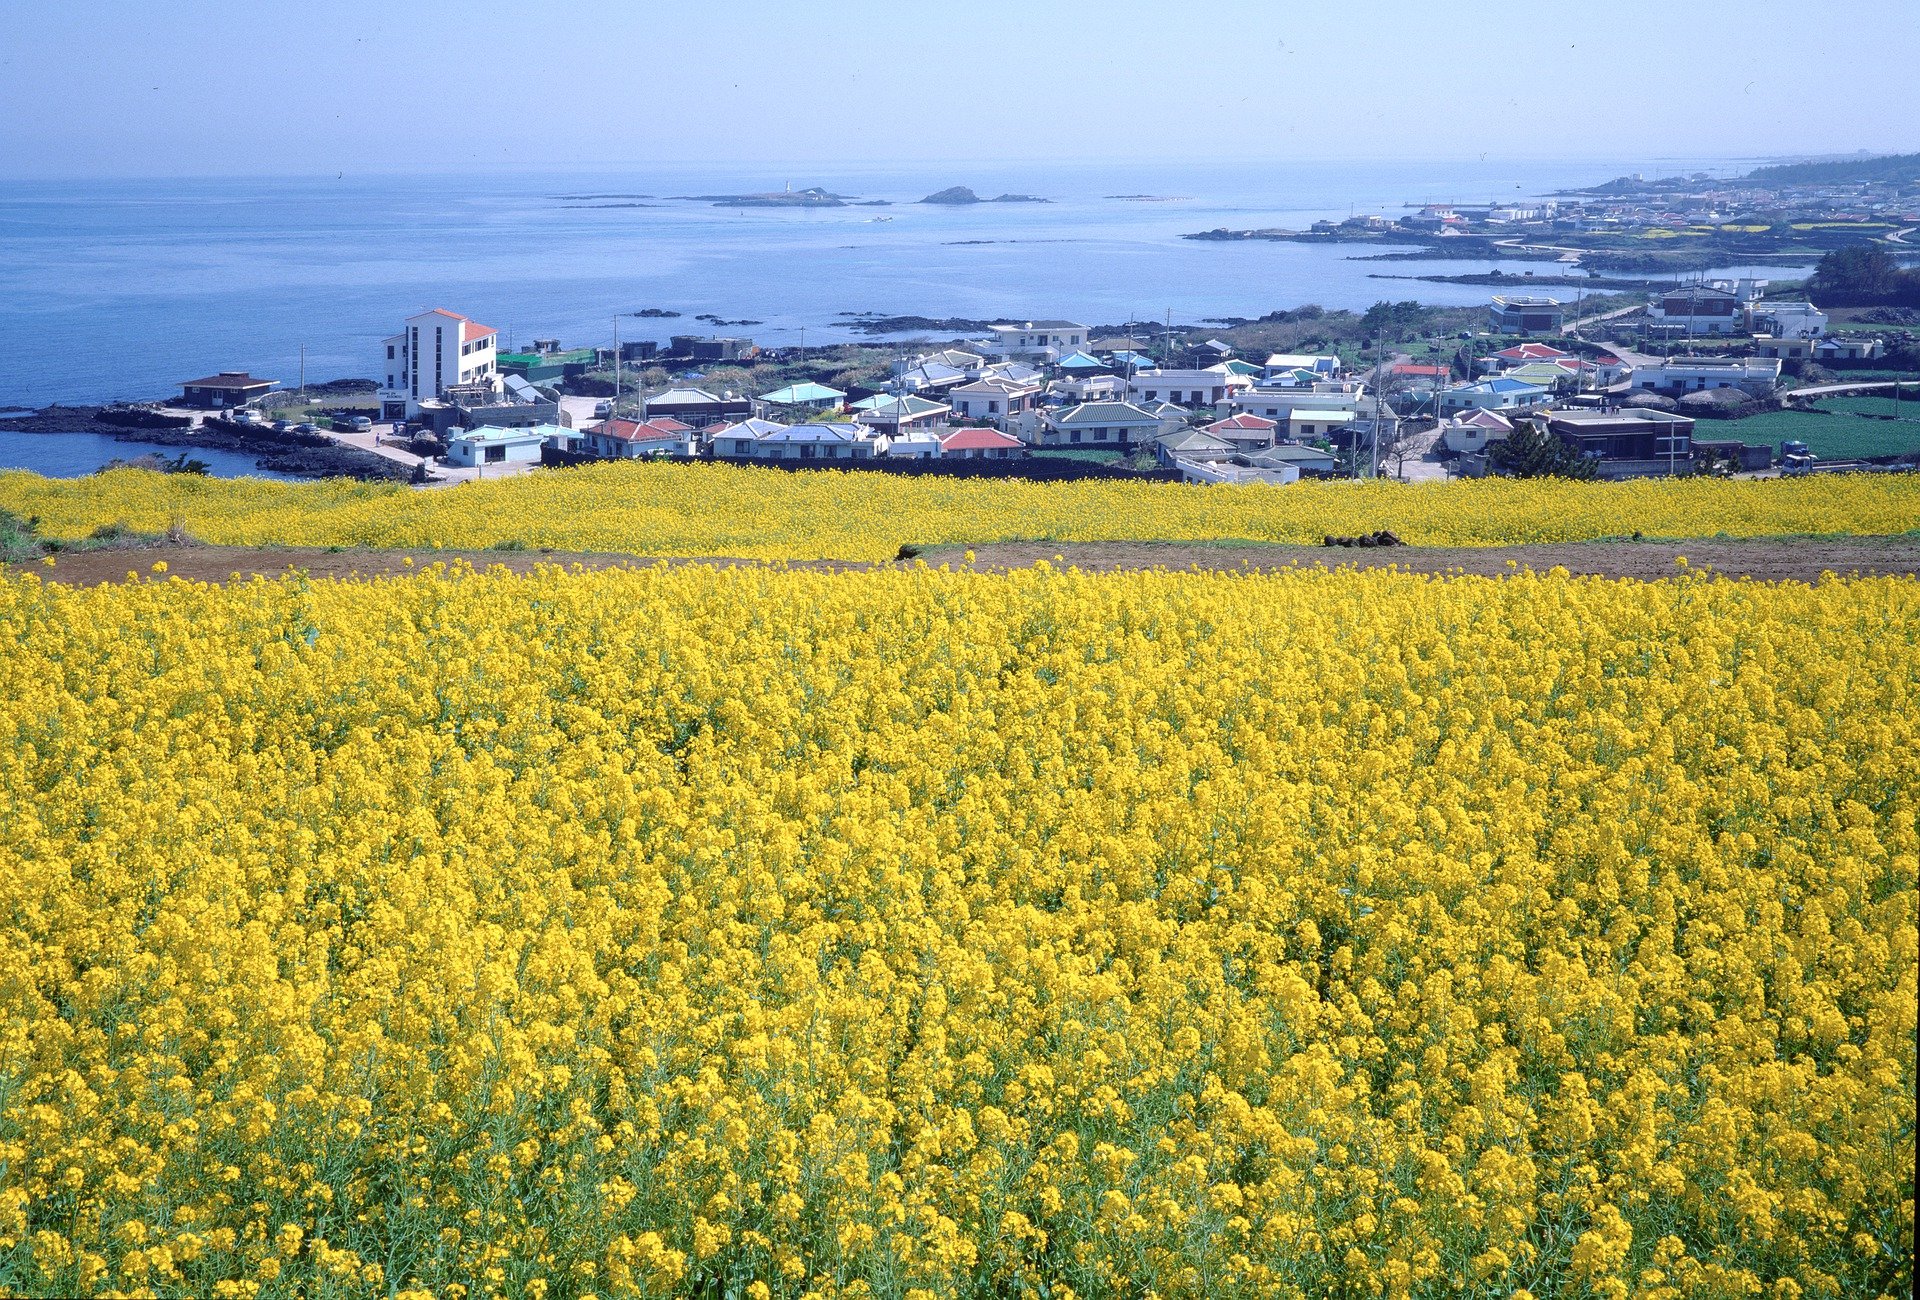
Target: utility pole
(303,370)
(615,408)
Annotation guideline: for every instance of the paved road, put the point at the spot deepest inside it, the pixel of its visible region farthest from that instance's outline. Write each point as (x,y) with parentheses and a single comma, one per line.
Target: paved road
(1829,390)
(1605,315)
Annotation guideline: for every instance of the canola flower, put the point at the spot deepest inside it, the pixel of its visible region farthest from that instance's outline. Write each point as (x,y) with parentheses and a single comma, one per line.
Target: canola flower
(721,509)
(913,933)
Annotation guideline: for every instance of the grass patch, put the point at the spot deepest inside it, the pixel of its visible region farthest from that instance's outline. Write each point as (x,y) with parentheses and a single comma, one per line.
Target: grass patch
(1833,434)
(1091,455)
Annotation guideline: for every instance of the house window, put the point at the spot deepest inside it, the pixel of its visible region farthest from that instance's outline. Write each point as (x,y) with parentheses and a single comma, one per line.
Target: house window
(993,408)
(496,454)
(1076,435)
(389,351)
(742,448)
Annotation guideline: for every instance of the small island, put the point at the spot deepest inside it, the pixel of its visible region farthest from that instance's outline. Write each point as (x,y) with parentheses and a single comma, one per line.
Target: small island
(811,197)
(958,195)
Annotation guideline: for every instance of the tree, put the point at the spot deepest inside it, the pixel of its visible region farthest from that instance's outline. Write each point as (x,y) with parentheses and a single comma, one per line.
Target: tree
(1863,275)
(1531,452)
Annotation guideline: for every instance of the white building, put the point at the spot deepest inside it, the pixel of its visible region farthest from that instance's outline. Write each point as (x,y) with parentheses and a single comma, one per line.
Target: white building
(1285,363)
(1758,376)
(991,399)
(1280,404)
(435,349)
(1186,387)
(1789,320)
(490,445)
(1035,340)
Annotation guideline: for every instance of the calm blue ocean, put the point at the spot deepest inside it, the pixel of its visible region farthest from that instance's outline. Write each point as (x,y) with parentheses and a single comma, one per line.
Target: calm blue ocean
(121,289)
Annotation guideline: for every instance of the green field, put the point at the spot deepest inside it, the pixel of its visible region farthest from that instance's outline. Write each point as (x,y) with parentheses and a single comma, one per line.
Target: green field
(1832,434)
(1097,456)
(1877,403)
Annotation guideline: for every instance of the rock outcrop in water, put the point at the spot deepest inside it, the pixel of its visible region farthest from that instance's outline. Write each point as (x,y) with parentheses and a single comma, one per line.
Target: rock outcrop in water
(959,195)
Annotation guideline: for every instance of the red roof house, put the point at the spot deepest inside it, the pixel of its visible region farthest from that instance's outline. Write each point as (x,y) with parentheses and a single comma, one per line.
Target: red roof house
(980,444)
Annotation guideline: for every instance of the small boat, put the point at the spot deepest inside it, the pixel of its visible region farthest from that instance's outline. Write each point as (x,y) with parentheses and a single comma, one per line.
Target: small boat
(879,218)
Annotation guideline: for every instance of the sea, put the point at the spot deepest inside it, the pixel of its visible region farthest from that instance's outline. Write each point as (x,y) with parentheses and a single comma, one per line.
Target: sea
(121,289)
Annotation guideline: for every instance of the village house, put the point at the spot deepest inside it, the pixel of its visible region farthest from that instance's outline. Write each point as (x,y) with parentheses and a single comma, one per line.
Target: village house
(1788,320)
(1208,352)
(980,444)
(1499,394)
(1190,444)
(1079,363)
(910,444)
(1563,376)
(958,358)
(1119,425)
(1757,376)
(1521,354)
(763,440)
(1698,311)
(1131,362)
(621,439)
(490,445)
(1417,378)
(1517,314)
(228,388)
(1243,431)
(1089,388)
(992,399)
(889,413)
(1848,347)
(1192,388)
(801,398)
(1469,432)
(932,379)
(1795,349)
(697,407)
(1042,340)
(1282,364)
(1310,426)
(1627,443)
(1608,370)
(1279,405)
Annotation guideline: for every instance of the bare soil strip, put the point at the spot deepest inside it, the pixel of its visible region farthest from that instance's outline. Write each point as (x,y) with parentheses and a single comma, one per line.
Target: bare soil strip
(1802,559)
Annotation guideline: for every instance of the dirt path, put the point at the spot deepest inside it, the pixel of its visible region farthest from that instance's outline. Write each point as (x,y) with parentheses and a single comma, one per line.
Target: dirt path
(1802,558)
(1799,558)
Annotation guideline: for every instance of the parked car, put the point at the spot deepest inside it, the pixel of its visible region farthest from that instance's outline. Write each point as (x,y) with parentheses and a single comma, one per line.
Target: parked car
(306,428)
(281,426)
(245,416)
(360,424)
(601,410)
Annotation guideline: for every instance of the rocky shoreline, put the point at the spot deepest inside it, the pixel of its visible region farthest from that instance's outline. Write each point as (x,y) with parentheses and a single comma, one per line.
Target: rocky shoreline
(307,455)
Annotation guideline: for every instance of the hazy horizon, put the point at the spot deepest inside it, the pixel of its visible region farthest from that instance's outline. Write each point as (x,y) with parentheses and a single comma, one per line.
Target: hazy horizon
(218,88)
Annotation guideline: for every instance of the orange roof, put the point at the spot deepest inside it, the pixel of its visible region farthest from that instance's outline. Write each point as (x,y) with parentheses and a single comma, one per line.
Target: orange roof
(1244,421)
(970,439)
(641,430)
(470,329)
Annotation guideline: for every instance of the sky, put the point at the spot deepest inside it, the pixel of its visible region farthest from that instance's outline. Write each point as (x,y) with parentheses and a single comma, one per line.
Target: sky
(275,87)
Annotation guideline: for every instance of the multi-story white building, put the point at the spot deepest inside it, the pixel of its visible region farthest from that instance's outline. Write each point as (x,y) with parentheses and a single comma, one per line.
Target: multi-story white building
(1186,387)
(1035,340)
(434,350)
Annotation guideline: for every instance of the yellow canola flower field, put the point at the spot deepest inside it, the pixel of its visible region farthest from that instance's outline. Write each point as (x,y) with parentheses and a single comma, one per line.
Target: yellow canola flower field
(720,509)
(906,933)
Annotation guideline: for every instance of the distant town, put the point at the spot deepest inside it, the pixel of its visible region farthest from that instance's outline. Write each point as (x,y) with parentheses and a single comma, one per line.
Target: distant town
(1618,378)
